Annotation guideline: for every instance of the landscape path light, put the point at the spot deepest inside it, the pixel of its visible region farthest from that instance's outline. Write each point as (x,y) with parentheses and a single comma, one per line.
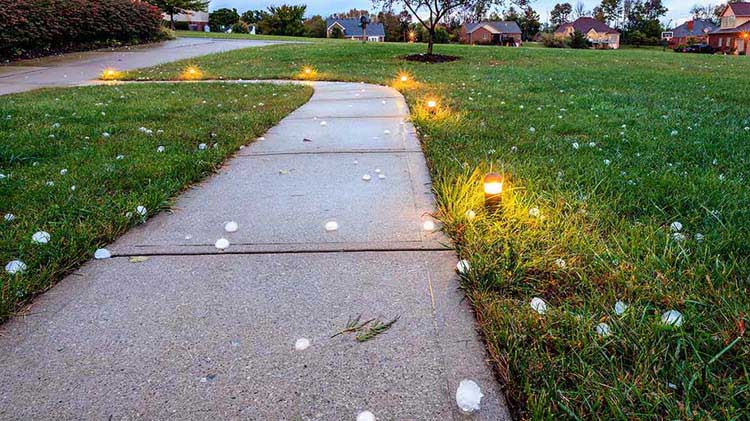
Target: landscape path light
(110,73)
(493,190)
(191,73)
(432,106)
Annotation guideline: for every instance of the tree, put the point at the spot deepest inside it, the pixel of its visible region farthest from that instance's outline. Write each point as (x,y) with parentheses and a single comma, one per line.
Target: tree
(315,27)
(530,23)
(560,14)
(252,17)
(609,11)
(431,13)
(404,19)
(579,10)
(510,14)
(579,40)
(391,25)
(284,20)
(174,7)
(221,19)
(336,32)
(352,14)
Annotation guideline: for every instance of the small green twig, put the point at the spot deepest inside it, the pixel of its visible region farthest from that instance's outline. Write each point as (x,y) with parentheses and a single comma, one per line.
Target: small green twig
(353,325)
(376,329)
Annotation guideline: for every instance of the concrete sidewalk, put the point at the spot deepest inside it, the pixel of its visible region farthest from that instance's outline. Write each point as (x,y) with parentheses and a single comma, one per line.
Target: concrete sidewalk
(76,68)
(195,332)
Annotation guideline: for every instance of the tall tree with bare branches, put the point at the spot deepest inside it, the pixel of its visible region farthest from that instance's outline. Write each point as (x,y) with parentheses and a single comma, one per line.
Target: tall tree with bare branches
(431,12)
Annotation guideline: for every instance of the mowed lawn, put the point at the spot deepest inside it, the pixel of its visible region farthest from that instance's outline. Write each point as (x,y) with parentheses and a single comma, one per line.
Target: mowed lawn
(77,163)
(625,180)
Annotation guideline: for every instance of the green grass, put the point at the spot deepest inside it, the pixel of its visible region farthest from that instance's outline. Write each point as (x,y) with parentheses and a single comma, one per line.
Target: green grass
(34,151)
(669,144)
(222,35)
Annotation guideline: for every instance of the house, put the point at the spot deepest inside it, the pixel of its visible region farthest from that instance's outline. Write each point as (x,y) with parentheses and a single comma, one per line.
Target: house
(189,20)
(733,35)
(488,32)
(351,29)
(597,32)
(691,32)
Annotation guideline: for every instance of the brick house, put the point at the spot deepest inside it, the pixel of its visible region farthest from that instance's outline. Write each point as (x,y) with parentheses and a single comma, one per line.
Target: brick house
(733,35)
(598,33)
(351,29)
(691,32)
(487,32)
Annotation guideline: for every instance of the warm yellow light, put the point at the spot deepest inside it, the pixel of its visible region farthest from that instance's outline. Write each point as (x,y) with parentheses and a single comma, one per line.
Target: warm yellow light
(493,189)
(412,36)
(308,70)
(191,73)
(308,73)
(404,78)
(111,74)
(431,104)
(746,35)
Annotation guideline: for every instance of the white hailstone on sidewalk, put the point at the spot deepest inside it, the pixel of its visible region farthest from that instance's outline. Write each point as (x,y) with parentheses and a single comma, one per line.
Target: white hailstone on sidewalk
(428,225)
(675,226)
(534,212)
(386,131)
(231,226)
(141,210)
(355,162)
(302,344)
(365,416)
(620,308)
(332,226)
(15,266)
(538,305)
(40,237)
(603,330)
(468,396)
(377,170)
(222,244)
(9,217)
(100,254)
(470,215)
(323,123)
(672,318)
(463,267)
(381,176)
(366,177)
(160,149)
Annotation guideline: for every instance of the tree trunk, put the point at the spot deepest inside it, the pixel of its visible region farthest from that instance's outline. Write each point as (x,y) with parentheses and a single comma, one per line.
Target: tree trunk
(364,34)
(171,20)
(430,41)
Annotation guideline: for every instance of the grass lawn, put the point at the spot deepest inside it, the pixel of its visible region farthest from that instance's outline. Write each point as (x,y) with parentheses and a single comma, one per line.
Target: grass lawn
(605,155)
(75,163)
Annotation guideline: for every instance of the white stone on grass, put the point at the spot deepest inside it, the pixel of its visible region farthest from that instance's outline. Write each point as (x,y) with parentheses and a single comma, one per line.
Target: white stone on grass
(560,263)
(675,226)
(620,308)
(160,149)
(468,396)
(463,267)
(672,318)
(331,226)
(222,244)
(365,416)
(100,254)
(231,226)
(470,215)
(9,217)
(202,146)
(63,171)
(15,266)
(141,210)
(40,237)
(603,330)
(302,344)
(534,212)
(538,305)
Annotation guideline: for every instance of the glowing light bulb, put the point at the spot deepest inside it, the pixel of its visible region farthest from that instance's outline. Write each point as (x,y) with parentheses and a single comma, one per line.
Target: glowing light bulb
(493,189)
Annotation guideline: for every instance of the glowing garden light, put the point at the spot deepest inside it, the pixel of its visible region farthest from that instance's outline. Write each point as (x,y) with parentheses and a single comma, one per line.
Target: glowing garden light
(191,73)
(111,73)
(404,78)
(308,72)
(412,36)
(493,190)
(431,106)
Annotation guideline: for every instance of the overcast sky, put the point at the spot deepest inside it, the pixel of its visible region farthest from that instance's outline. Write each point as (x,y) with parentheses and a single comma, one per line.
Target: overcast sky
(678,9)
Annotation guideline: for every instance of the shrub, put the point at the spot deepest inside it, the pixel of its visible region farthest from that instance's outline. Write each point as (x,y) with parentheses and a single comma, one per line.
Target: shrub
(578,40)
(240,28)
(551,41)
(39,27)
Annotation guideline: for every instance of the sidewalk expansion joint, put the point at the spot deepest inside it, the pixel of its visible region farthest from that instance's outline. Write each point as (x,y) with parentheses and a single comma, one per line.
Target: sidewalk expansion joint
(347,152)
(270,252)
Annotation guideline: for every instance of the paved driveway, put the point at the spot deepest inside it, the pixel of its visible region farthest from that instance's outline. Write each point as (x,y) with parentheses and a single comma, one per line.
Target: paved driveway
(76,68)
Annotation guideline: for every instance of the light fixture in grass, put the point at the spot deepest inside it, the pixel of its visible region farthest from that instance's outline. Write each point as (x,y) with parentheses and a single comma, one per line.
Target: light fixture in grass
(403,80)
(110,73)
(191,73)
(493,190)
(308,73)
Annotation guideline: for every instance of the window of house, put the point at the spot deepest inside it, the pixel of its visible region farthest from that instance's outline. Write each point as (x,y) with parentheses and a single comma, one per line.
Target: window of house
(484,36)
(728,22)
(721,42)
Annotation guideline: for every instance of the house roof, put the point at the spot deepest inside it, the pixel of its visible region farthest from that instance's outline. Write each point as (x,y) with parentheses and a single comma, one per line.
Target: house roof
(585,24)
(351,27)
(699,25)
(740,9)
(498,27)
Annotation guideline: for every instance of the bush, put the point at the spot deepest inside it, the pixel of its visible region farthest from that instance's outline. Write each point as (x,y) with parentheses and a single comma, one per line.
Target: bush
(240,28)
(40,27)
(551,41)
(579,41)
